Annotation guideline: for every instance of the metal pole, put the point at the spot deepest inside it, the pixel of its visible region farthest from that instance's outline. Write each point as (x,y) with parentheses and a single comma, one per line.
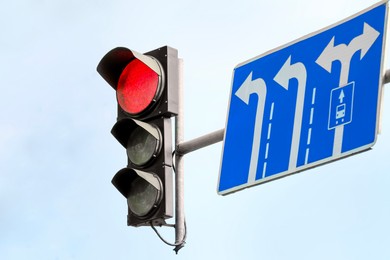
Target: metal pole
(179,167)
(200,142)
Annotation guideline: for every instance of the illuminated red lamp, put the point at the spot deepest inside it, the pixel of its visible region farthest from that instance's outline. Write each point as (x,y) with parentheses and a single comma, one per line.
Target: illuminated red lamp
(141,81)
(139,87)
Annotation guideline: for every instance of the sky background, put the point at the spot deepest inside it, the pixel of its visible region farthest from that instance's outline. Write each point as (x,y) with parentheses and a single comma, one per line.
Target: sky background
(57,156)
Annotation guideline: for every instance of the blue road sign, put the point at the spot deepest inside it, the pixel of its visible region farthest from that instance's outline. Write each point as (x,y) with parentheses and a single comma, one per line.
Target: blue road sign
(309,102)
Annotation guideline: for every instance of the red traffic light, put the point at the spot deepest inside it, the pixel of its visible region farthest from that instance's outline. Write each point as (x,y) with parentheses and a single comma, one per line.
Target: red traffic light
(139,86)
(145,84)
(146,87)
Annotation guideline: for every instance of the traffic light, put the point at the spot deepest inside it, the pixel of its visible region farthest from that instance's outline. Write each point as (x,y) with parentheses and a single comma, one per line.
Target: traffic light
(146,88)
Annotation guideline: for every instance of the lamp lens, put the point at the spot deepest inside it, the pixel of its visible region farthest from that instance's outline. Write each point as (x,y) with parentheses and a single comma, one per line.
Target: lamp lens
(137,88)
(143,197)
(141,146)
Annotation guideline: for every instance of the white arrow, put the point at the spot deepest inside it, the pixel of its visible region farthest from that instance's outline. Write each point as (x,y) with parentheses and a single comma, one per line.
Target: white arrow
(248,88)
(344,53)
(287,72)
(332,53)
(364,41)
(341,97)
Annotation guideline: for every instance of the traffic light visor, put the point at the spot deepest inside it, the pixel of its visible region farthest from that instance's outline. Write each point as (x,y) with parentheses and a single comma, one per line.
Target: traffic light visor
(137,78)
(143,190)
(142,141)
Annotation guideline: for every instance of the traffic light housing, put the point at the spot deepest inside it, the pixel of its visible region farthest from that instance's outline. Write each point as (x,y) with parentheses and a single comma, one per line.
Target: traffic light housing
(146,87)
(156,71)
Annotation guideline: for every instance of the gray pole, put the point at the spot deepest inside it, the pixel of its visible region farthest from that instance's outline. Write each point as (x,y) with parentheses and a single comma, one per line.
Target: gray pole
(200,142)
(179,167)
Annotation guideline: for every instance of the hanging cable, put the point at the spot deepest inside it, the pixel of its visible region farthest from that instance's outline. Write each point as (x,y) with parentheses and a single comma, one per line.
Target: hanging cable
(180,244)
(176,245)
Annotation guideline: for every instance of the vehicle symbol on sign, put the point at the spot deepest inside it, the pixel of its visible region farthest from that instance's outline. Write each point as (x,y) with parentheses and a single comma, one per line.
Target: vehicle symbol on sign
(340,111)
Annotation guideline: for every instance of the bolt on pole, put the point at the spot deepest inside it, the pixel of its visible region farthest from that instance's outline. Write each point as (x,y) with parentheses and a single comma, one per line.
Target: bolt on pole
(387,77)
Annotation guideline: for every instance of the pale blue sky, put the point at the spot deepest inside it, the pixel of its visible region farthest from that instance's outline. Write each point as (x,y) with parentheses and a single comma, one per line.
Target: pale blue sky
(57,156)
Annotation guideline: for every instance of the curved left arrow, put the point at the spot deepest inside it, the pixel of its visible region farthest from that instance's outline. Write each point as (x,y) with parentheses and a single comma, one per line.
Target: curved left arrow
(287,72)
(258,87)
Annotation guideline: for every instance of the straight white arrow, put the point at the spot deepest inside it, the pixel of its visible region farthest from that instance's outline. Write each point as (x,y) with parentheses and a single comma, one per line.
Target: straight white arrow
(244,92)
(341,97)
(344,53)
(287,72)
